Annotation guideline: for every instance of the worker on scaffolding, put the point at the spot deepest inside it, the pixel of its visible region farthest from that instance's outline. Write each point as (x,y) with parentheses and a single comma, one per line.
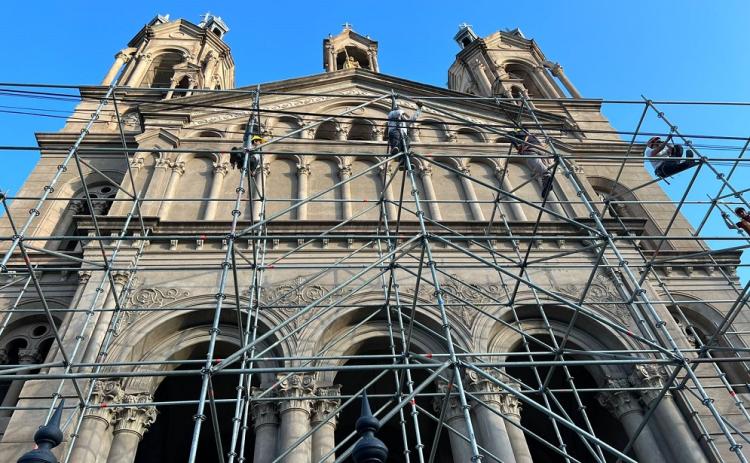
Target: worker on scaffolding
(398,130)
(235,158)
(667,167)
(743,224)
(540,165)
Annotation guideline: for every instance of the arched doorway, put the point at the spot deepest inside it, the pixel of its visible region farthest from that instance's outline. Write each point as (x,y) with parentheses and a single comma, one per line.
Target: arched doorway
(168,440)
(382,393)
(605,426)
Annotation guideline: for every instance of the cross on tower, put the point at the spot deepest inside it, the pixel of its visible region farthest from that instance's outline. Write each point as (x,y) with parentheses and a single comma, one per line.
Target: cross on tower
(463,25)
(205,16)
(347,26)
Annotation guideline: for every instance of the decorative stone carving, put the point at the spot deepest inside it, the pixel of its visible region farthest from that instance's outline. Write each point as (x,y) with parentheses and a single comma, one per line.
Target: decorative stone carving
(492,394)
(106,391)
(651,379)
(293,389)
(323,408)
(264,412)
(293,295)
(618,403)
(142,299)
(136,419)
(221,168)
(602,290)
(453,409)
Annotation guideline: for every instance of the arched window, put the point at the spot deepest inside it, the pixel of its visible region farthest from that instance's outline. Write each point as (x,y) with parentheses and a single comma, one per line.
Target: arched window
(521,77)
(361,130)
(102,196)
(352,57)
(25,342)
(326,131)
(162,70)
(694,323)
(181,88)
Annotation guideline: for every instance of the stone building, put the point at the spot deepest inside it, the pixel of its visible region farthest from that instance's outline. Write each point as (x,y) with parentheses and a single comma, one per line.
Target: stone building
(325,280)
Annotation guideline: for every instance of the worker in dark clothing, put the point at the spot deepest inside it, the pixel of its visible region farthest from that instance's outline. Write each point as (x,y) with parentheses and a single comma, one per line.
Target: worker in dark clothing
(743,224)
(235,158)
(398,130)
(668,167)
(539,165)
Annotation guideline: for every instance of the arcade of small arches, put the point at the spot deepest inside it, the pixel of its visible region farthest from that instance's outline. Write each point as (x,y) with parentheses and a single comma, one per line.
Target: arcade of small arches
(286,406)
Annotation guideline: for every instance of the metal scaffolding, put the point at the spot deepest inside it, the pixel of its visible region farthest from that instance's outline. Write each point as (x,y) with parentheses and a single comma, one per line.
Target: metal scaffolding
(415,260)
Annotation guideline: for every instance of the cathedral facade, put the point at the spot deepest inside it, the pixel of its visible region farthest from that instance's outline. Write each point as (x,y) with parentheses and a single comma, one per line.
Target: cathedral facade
(187,307)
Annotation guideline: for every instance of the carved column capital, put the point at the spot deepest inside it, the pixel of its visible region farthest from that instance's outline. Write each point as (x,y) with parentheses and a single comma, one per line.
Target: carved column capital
(29,356)
(221,168)
(121,278)
(137,162)
(135,419)
(651,379)
(466,170)
(499,173)
(426,170)
(264,412)
(323,407)
(618,403)
(105,392)
(453,409)
(345,171)
(123,56)
(145,57)
(4,359)
(292,391)
(266,169)
(84,276)
(77,206)
(177,166)
(303,169)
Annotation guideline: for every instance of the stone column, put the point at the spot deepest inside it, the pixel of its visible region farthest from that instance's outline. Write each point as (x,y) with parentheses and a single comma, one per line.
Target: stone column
(144,61)
(295,417)
(130,424)
(261,181)
(83,278)
(155,187)
(493,434)
(94,438)
(506,185)
(454,417)
(105,317)
(471,195)
(124,203)
(511,407)
(303,175)
(178,170)
(120,59)
(323,440)
(557,71)
(429,190)
(386,173)
(266,424)
(675,432)
(345,172)
(220,171)
(625,408)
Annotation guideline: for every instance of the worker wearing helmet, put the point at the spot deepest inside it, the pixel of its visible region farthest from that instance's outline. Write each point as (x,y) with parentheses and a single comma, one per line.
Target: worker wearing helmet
(539,165)
(656,148)
(235,158)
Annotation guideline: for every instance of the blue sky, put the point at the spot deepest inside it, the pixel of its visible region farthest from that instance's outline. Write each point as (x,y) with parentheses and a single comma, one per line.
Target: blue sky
(671,50)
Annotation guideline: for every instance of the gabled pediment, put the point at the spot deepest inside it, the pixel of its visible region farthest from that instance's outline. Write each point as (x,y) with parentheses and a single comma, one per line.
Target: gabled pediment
(303,98)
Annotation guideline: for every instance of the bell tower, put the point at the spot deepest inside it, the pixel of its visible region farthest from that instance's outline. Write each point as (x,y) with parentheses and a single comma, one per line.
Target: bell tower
(350,50)
(177,56)
(505,64)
